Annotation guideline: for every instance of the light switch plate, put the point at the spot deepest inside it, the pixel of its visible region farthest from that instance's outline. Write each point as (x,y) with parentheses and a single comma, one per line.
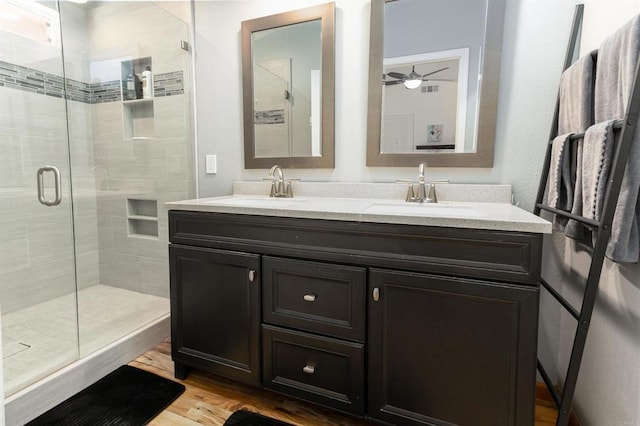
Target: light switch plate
(211,166)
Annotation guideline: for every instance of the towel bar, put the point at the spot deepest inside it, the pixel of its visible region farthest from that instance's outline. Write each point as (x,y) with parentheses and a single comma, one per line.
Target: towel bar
(592,223)
(616,126)
(573,311)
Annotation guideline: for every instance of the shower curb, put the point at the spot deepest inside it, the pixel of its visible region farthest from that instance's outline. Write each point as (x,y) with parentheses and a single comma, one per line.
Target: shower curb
(27,404)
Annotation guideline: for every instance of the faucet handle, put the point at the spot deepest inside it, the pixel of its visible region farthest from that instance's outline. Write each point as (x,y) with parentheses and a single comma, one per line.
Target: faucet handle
(411,195)
(432,197)
(288,189)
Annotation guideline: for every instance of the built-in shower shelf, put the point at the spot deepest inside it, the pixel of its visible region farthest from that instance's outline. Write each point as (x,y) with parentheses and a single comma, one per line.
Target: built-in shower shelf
(138,101)
(142,218)
(137,217)
(137,114)
(144,237)
(137,119)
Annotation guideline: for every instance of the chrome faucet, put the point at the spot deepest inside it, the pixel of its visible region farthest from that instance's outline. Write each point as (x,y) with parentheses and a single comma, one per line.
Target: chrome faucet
(279,188)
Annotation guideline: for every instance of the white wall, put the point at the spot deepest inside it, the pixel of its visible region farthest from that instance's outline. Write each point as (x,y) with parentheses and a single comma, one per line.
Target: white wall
(527,94)
(536,34)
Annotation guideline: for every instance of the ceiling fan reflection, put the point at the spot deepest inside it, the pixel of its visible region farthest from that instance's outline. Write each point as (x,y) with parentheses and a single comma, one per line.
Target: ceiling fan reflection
(413,80)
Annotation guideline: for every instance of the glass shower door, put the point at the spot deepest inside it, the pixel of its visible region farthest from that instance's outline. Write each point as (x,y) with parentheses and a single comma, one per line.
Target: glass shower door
(37,265)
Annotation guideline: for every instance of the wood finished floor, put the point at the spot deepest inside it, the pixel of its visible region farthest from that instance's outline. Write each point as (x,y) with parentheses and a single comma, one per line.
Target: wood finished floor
(209,400)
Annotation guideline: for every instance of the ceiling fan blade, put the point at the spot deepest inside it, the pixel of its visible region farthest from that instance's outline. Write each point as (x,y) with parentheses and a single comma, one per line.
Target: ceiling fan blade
(392,82)
(433,72)
(397,75)
(436,79)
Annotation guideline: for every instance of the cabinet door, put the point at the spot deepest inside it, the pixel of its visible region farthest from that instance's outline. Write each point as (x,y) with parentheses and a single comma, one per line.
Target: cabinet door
(215,311)
(450,351)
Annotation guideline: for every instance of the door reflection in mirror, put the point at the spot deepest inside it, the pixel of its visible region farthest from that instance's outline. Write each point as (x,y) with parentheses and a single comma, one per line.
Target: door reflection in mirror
(286,79)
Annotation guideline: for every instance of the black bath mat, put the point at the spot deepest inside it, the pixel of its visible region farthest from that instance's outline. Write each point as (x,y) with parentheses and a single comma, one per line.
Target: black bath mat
(247,418)
(126,397)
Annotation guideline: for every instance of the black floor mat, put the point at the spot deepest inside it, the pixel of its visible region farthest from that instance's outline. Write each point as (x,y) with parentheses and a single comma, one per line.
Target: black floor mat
(247,418)
(126,397)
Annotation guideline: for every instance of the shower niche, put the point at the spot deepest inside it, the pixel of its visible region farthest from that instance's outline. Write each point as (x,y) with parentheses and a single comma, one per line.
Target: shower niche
(142,218)
(137,111)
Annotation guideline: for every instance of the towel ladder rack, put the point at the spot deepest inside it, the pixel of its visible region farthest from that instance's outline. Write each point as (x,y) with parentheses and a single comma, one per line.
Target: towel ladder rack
(622,145)
(616,126)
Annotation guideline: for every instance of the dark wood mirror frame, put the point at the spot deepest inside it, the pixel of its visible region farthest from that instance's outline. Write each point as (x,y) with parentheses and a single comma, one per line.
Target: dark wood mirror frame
(325,13)
(486,126)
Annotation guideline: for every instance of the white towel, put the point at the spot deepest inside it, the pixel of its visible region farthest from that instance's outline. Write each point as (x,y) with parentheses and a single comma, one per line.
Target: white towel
(615,75)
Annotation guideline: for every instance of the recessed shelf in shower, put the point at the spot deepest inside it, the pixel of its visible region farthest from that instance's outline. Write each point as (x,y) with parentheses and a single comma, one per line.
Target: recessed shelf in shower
(142,218)
(137,112)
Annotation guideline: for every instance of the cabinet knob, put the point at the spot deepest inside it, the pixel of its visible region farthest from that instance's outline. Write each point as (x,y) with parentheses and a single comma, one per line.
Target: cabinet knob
(310,297)
(376,294)
(252,275)
(309,369)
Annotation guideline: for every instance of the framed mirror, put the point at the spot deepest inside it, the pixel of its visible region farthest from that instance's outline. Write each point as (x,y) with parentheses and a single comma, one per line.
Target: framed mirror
(434,69)
(289,89)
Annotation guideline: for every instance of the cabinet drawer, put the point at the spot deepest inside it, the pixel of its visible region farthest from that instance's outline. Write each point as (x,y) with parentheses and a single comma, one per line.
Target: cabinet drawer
(324,298)
(326,371)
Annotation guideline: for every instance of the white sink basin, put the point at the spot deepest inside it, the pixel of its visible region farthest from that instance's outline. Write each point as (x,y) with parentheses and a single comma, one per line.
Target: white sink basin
(257,202)
(423,209)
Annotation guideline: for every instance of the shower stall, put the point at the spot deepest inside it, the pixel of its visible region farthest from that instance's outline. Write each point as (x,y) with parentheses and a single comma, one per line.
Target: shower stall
(86,164)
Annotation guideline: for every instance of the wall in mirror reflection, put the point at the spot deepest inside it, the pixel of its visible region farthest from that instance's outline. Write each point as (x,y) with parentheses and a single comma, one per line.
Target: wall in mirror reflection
(441,114)
(287,88)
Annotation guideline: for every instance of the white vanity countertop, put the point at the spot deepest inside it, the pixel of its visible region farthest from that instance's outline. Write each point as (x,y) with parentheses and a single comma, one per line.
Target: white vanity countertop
(457,214)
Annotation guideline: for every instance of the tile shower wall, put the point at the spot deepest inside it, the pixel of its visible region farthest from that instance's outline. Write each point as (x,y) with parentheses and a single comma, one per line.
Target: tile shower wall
(106,169)
(157,168)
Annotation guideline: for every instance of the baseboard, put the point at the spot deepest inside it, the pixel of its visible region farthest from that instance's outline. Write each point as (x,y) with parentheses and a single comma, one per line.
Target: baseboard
(543,397)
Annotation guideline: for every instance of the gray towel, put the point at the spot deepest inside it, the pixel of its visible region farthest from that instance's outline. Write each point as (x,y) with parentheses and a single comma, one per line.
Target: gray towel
(596,157)
(560,189)
(576,97)
(575,115)
(615,74)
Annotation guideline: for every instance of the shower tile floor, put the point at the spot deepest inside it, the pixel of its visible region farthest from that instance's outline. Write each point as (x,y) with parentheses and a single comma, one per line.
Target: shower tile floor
(41,339)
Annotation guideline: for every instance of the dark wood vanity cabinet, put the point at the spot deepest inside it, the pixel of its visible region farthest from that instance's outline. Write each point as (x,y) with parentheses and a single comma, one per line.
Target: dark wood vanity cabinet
(407,325)
(215,312)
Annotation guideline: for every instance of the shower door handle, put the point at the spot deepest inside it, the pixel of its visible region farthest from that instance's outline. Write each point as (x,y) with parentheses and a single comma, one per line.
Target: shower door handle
(58,186)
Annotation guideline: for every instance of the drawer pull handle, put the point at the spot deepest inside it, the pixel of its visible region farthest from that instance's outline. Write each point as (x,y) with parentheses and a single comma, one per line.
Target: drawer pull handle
(310,297)
(252,275)
(309,369)
(376,294)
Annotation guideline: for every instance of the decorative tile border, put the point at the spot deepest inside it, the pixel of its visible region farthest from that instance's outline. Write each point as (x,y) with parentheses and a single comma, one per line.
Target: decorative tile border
(168,84)
(31,80)
(271,116)
(108,91)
